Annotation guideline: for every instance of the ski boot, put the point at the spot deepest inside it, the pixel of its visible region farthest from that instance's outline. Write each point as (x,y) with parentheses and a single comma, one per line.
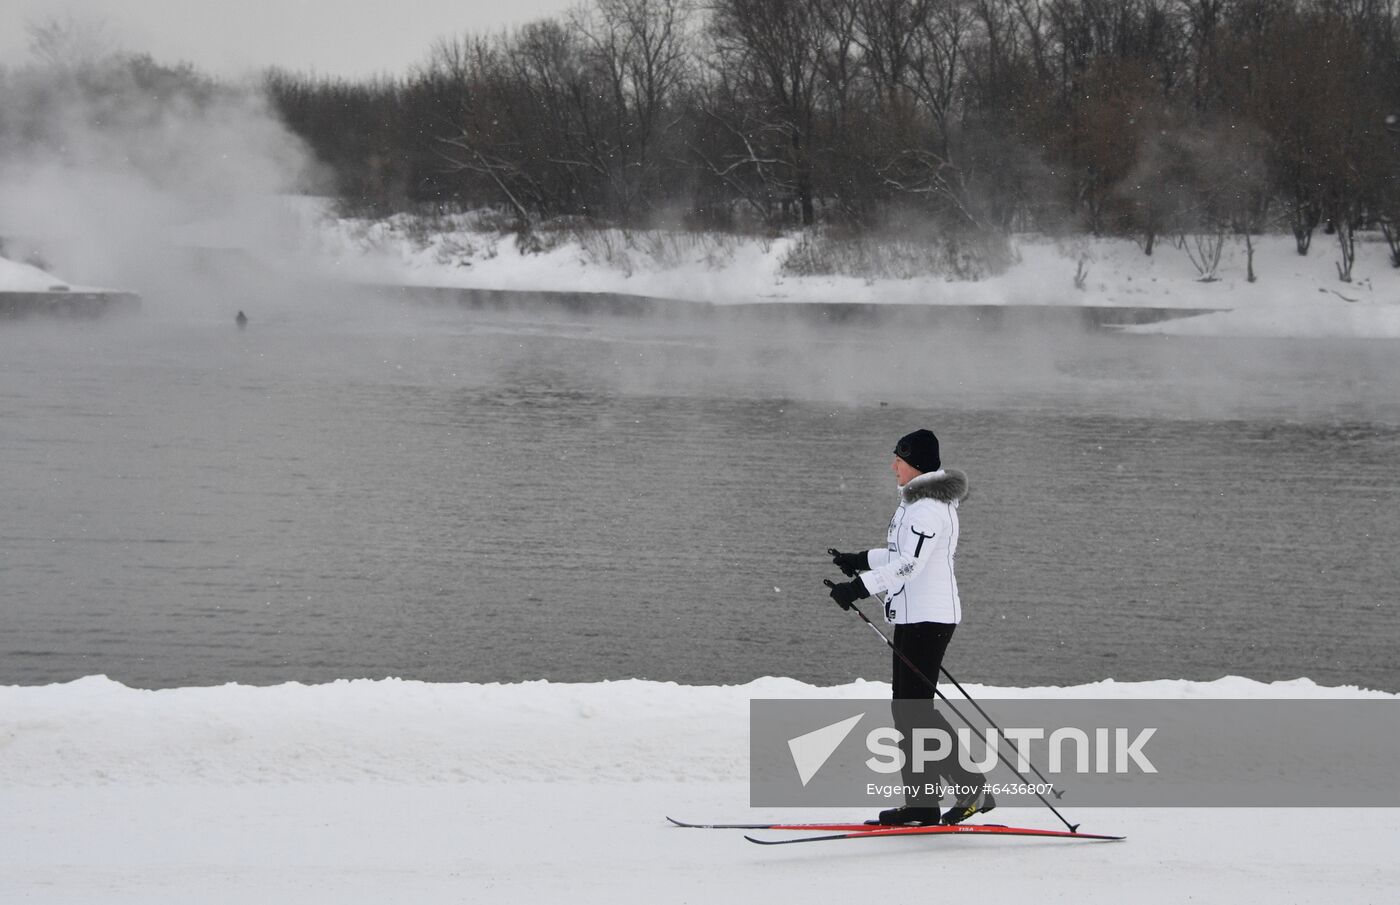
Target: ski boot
(977,802)
(907,815)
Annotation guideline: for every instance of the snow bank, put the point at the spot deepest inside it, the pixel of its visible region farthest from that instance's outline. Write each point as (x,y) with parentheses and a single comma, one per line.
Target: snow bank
(391,791)
(1293,295)
(95,731)
(17,277)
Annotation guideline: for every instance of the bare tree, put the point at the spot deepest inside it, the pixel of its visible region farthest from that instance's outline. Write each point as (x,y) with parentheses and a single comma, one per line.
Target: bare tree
(936,64)
(637,52)
(885,32)
(69,43)
(739,151)
(1346,238)
(774,51)
(1204,247)
(963,114)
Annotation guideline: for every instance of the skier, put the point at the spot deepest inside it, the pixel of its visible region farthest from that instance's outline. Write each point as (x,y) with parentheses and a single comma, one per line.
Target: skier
(914,570)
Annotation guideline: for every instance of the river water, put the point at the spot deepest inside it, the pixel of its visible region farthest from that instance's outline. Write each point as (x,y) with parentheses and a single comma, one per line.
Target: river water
(368,488)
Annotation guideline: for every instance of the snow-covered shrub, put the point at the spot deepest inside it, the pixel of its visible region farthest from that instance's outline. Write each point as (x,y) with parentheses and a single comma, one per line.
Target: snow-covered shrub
(953,256)
(630,250)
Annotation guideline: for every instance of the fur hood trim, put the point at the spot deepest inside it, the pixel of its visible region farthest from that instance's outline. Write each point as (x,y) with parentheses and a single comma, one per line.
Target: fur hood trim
(947,486)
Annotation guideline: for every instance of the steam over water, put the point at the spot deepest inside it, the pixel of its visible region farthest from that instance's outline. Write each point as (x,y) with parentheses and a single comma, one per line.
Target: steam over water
(439,493)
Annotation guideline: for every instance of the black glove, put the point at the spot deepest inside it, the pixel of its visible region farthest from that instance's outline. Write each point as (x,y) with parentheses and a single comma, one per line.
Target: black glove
(850,563)
(848,592)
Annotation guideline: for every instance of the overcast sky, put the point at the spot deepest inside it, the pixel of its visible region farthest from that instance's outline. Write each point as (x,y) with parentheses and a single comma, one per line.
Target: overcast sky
(232,37)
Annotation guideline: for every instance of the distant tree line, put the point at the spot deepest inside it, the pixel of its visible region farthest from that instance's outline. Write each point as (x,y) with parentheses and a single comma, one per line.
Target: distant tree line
(1141,117)
(103,115)
(77,90)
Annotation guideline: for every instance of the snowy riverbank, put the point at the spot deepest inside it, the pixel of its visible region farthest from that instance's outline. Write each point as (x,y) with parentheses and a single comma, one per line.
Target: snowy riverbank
(96,732)
(27,290)
(393,791)
(1293,295)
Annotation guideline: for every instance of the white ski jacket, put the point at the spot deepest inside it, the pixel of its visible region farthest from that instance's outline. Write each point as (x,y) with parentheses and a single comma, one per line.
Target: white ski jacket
(914,570)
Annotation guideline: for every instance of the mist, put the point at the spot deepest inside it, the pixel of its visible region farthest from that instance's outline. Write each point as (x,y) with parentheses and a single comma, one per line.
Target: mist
(125,174)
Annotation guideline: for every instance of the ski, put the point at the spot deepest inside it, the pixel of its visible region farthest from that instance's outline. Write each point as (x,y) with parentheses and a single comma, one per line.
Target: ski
(962,829)
(827,827)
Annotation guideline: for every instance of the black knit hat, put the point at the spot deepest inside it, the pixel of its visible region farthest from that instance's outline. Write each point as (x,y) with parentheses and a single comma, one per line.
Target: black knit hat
(919,449)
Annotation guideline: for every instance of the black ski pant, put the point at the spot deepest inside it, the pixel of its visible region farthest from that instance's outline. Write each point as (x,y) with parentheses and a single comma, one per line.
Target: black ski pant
(923,644)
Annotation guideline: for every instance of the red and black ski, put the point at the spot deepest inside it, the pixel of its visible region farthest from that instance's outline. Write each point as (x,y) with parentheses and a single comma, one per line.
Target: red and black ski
(862,830)
(827,827)
(962,829)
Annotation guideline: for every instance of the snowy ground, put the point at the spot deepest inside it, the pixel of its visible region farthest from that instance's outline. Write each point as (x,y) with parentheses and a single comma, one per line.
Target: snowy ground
(1293,295)
(408,792)
(383,792)
(18,277)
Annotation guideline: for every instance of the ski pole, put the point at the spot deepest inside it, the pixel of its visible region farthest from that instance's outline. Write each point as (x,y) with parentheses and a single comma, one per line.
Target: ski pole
(1058,793)
(1073,827)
